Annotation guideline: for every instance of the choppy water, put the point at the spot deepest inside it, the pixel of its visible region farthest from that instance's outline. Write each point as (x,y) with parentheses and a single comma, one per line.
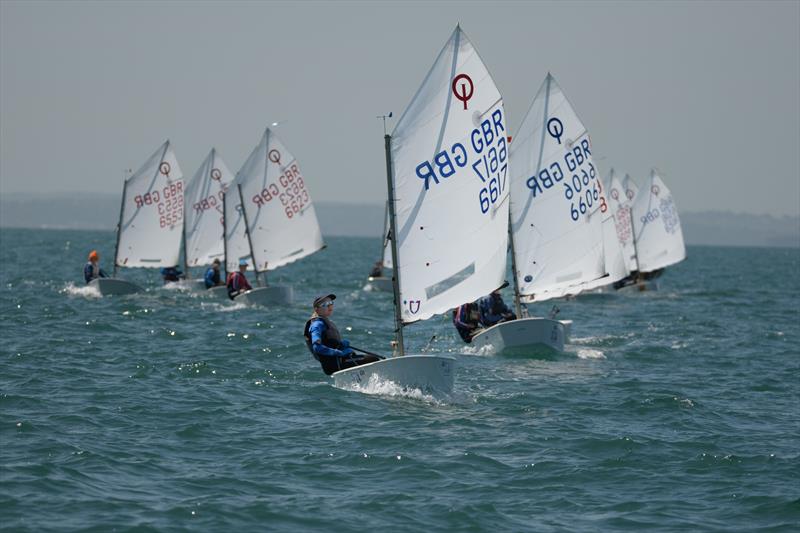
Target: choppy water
(674,410)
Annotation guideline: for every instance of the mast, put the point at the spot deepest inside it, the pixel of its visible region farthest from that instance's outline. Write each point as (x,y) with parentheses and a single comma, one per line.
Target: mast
(517,306)
(249,240)
(119,224)
(398,319)
(185,251)
(633,238)
(225,234)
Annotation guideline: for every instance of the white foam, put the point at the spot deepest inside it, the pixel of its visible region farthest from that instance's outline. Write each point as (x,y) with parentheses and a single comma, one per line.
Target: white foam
(222,307)
(589,353)
(84,291)
(471,349)
(382,387)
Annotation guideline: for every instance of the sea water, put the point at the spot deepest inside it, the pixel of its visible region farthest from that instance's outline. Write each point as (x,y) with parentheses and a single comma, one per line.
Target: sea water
(673,410)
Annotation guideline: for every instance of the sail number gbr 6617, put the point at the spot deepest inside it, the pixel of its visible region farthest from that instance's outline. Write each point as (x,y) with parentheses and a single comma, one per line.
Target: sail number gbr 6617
(485,152)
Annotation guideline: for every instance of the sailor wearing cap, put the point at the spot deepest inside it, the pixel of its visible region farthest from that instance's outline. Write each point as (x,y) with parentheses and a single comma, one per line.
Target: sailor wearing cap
(237,281)
(92,270)
(326,343)
(212,277)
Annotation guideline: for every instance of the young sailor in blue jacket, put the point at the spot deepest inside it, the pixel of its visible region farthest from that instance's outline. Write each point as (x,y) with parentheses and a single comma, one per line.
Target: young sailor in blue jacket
(213,276)
(170,274)
(326,343)
(494,310)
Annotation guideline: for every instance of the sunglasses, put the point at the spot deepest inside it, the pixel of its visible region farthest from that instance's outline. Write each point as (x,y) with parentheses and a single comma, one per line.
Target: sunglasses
(326,304)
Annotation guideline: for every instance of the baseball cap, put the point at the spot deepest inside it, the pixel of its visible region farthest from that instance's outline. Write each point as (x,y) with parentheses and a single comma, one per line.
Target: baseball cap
(320,299)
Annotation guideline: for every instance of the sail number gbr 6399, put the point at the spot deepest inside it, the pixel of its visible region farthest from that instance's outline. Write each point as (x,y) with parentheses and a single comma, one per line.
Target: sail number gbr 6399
(486,153)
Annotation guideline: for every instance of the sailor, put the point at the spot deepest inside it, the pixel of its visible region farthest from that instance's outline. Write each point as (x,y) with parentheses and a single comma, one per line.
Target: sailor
(237,282)
(212,277)
(377,270)
(326,343)
(171,274)
(494,310)
(466,319)
(92,270)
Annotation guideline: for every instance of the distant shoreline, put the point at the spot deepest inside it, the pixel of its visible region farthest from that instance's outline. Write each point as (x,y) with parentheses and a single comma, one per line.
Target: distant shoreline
(100,211)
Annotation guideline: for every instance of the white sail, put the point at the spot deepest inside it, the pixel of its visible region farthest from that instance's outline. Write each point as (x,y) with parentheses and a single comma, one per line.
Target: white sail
(237,246)
(151,224)
(280,214)
(630,188)
(620,208)
(556,197)
(616,268)
(657,228)
(387,244)
(450,161)
(204,211)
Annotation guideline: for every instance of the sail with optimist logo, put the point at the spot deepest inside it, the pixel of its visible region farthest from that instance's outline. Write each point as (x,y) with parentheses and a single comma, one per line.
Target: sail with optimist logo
(630,189)
(613,251)
(151,217)
(657,227)
(450,182)
(204,213)
(557,201)
(620,207)
(278,209)
(447,163)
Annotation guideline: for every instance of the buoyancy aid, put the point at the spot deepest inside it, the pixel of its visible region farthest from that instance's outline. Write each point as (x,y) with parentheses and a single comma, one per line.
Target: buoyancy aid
(330,337)
(469,315)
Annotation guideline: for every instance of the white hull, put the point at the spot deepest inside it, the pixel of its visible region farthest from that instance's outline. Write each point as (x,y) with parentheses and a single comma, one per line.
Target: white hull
(381,284)
(114,286)
(189,284)
(267,296)
(428,373)
(524,336)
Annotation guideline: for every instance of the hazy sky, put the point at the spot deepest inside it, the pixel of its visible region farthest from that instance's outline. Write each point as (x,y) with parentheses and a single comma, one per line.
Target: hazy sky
(708,92)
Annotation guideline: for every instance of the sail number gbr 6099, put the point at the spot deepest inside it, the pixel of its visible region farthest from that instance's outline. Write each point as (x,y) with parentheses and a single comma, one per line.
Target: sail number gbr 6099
(487,154)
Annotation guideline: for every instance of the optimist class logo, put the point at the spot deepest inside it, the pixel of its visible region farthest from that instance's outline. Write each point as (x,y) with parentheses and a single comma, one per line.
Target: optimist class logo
(164,168)
(274,156)
(465,94)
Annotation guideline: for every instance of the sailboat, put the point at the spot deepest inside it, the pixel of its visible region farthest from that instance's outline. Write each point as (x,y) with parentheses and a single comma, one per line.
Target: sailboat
(613,245)
(657,233)
(630,188)
(383,282)
(150,220)
(446,165)
(556,222)
(276,218)
(619,206)
(203,222)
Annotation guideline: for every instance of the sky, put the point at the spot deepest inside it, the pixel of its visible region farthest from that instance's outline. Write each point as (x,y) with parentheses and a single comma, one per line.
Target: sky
(707,92)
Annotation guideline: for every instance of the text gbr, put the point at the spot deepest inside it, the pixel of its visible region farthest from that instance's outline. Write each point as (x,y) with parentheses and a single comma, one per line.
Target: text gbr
(487,153)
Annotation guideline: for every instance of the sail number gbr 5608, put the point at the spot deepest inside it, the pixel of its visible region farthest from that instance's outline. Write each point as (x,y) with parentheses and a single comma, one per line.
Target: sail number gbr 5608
(576,174)
(486,153)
